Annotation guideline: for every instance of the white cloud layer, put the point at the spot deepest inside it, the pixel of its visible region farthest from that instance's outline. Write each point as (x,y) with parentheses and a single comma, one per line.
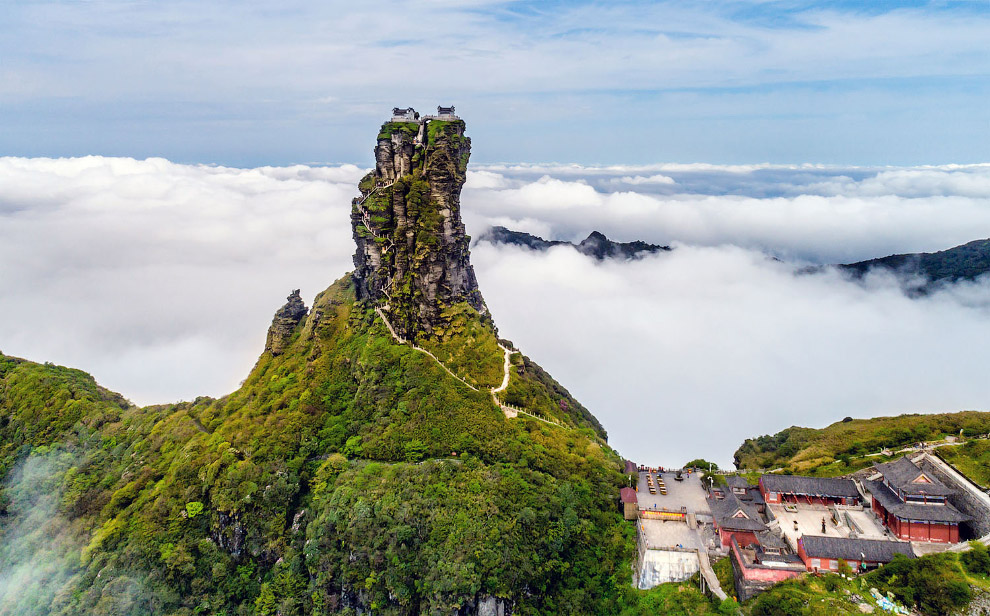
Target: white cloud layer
(161,280)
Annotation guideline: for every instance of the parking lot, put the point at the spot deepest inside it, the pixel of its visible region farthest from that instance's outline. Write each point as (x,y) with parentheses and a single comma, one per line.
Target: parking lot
(687,493)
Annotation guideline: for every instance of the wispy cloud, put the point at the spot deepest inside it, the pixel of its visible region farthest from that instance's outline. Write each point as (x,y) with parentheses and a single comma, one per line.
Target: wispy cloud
(695,80)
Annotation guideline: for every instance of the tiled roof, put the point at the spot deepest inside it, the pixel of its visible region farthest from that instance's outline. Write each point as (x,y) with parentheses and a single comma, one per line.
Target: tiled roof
(731,513)
(912,511)
(810,486)
(736,482)
(753,495)
(628,495)
(769,539)
(904,475)
(874,550)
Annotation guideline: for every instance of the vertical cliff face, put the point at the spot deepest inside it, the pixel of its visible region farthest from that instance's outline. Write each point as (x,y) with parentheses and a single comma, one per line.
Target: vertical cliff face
(412,254)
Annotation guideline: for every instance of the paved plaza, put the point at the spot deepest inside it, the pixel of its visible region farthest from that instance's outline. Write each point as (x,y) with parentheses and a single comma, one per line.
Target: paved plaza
(809,522)
(687,493)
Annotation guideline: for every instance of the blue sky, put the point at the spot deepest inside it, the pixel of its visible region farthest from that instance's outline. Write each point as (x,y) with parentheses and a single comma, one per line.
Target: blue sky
(252,83)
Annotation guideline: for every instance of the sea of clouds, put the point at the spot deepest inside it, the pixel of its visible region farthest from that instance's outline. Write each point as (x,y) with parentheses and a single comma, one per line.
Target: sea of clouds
(161,279)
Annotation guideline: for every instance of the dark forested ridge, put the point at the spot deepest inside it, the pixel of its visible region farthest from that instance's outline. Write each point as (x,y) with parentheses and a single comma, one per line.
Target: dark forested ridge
(596,245)
(964,262)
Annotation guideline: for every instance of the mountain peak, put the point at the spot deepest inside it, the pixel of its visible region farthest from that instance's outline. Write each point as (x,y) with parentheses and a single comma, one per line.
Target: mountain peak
(412,253)
(596,245)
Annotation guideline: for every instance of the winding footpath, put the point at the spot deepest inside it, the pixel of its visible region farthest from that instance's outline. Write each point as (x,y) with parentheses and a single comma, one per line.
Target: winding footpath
(401,340)
(509,411)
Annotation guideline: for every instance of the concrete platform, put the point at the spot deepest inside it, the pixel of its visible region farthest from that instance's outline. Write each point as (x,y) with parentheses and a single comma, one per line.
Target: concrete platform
(669,533)
(659,567)
(687,493)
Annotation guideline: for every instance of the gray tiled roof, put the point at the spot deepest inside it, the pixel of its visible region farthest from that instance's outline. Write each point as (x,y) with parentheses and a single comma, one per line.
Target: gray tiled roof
(901,474)
(769,539)
(874,550)
(724,510)
(737,482)
(811,486)
(912,511)
(754,496)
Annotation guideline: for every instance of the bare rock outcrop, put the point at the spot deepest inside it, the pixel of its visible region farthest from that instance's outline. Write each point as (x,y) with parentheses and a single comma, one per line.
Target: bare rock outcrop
(413,252)
(285,322)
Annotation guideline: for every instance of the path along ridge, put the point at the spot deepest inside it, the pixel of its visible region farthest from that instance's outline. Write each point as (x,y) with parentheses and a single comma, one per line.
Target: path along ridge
(509,411)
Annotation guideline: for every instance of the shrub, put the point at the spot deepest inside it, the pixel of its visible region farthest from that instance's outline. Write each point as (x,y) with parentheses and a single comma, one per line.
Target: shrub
(934,583)
(702,464)
(977,560)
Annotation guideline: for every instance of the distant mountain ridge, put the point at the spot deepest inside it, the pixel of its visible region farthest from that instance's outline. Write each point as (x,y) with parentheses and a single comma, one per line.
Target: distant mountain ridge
(965,262)
(596,245)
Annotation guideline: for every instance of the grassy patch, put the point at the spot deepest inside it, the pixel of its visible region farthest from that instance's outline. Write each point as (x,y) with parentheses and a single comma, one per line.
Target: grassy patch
(410,129)
(842,447)
(467,346)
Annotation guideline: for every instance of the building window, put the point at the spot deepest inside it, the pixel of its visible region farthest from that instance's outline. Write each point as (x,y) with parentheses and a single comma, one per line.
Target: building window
(816,563)
(833,565)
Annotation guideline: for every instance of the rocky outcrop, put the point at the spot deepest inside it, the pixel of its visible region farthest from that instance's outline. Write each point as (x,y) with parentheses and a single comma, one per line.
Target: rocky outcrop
(284,324)
(412,254)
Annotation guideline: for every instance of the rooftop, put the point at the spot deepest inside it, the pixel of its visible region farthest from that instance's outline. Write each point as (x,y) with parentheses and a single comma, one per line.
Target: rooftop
(905,476)
(737,482)
(913,511)
(628,495)
(871,550)
(731,513)
(810,486)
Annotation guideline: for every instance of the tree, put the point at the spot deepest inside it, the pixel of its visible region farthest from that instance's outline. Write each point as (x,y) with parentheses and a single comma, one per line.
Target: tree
(702,464)
(415,450)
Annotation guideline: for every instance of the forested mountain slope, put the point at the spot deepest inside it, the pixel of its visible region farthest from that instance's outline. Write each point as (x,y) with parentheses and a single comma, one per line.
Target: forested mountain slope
(350,473)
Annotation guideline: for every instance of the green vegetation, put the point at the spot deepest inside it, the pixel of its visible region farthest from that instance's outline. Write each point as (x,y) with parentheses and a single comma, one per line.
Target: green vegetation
(531,388)
(701,463)
(347,470)
(410,129)
(933,585)
(841,448)
(977,560)
(367,182)
(467,346)
(447,145)
(723,571)
(824,595)
(964,262)
(682,599)
(972,458)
